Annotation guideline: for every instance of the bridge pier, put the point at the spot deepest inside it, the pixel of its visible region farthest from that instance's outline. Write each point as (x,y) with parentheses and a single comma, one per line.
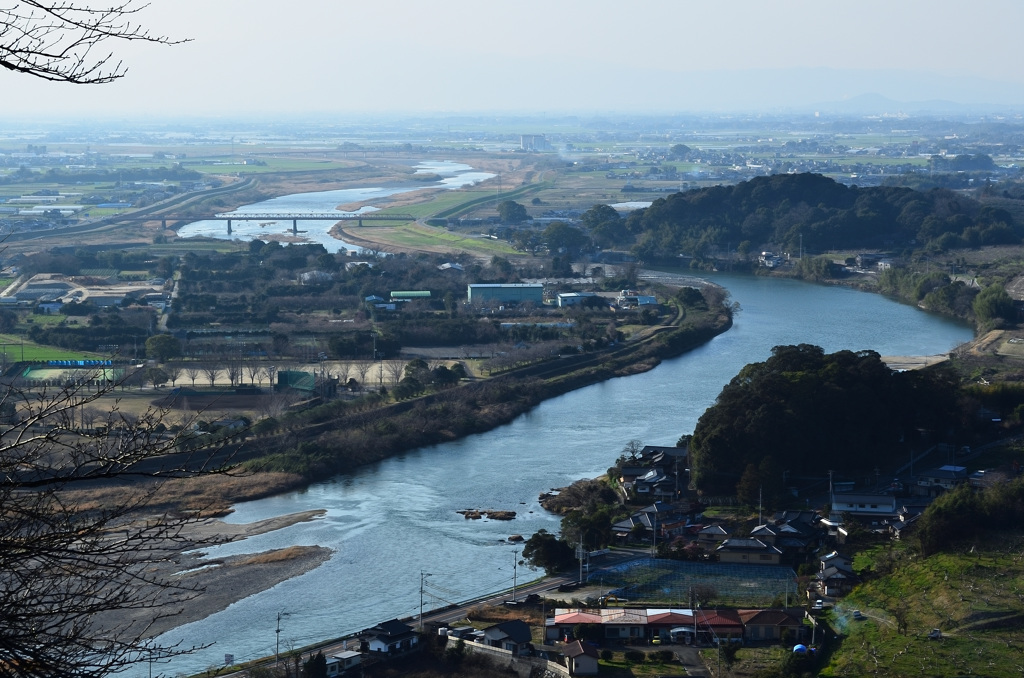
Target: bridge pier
(229,227)
(360,222)
(295,226)
(163,224)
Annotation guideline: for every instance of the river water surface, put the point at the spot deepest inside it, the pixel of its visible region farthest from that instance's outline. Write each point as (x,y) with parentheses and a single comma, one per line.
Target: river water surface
(392,521)
(452,175)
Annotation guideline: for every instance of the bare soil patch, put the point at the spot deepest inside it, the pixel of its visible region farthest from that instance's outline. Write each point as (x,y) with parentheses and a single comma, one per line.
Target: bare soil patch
(223,581)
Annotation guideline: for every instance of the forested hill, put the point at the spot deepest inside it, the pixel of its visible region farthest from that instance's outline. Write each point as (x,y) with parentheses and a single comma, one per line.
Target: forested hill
(776,211)
(804,409)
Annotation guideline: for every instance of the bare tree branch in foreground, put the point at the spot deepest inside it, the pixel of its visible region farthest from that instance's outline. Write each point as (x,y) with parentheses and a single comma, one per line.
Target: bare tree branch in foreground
(69,571)
(63,41)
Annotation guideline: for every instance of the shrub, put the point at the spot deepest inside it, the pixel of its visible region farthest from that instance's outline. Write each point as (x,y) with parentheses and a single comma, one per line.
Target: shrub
(635,656)
(607,655)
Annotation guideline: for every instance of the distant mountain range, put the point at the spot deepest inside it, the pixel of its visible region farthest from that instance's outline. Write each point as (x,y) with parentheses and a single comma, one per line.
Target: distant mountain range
(838,91)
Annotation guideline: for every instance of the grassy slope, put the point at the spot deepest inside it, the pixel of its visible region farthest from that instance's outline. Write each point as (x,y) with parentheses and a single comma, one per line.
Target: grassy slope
(976,599)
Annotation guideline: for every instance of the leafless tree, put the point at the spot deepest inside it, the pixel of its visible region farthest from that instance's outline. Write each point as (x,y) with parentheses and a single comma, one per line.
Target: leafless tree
(173,371)
(270,371)
(69,572)
(362,367)
(66,40)
(234,371)
(211,370)
(395,370)
(633,448)
(253,367)
(193,370)
(343,372)
(276,404)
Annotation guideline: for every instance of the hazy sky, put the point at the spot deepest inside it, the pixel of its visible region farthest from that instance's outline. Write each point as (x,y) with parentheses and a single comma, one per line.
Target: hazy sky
(252,57)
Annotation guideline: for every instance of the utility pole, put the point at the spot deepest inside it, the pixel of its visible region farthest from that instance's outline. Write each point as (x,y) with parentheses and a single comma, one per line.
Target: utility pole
(423,579)
(579,555)
(654,533)
(515,564)
(277,647)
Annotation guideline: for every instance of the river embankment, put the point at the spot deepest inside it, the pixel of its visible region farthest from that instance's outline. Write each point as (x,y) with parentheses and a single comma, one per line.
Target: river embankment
(340,436)
(395,429)
(403,510)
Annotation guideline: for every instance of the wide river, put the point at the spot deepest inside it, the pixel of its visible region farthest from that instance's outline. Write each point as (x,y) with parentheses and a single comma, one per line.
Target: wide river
(392,521)
(451,175)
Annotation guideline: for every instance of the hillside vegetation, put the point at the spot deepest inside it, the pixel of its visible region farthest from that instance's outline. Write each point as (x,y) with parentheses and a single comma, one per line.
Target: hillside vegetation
(818,214)
(961,573)
(784,412)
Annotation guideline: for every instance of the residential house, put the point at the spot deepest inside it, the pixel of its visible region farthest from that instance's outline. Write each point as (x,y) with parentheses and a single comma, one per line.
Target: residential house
(642,525)
(624,624)
(581,658)
(629,474)
(513,635)
(391,636)
(934,482)
(655,483)
(835,559)
(771,625)
(661,622)
(559,627)
(712,534)
(796,540)
(863,506)
(748,551)
(833,581)
(340,663)
(717,624)
(680,625)
(835,576)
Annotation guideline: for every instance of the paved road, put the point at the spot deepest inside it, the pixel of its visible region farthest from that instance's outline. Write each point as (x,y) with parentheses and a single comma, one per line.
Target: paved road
(444,616)
(688,655)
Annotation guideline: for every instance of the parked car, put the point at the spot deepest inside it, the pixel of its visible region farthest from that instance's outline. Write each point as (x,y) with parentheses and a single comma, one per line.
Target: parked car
(819,604)
(858,615)
(935,634)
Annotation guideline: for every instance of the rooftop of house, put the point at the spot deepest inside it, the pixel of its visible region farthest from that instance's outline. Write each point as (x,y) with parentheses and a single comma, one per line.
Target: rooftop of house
(747,544)
(577,648)
(515,630)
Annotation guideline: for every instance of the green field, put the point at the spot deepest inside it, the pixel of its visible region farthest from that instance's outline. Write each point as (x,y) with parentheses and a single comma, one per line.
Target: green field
(416,236)
(273,165)
(17,349)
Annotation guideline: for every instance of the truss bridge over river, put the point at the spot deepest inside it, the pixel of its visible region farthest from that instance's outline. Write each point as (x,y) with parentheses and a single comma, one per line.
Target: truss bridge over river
(294,217)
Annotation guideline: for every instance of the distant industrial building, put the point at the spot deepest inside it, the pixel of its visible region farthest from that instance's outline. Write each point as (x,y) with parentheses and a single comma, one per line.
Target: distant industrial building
(574,298)
(533,142)
(506,293)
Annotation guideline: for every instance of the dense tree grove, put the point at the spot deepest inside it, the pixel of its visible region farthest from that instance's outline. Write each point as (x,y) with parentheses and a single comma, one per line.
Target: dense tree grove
(803,408)
(965,514)
(781,209)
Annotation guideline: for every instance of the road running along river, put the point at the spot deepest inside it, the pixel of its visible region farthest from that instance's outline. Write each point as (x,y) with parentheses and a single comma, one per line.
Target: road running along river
(392,521)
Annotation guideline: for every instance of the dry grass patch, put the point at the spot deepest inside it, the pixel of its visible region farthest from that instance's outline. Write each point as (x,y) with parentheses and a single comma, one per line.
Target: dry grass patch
(276,556)
(210,496)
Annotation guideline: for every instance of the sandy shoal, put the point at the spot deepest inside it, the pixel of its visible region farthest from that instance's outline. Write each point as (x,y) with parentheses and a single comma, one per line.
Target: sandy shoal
(220,582)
